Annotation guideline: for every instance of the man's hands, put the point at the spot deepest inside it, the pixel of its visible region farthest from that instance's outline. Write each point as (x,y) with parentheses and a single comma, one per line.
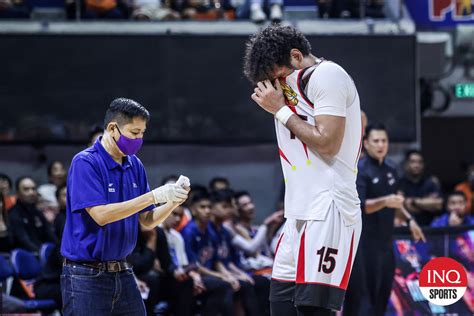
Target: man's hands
(176,193)
(268,97)
(416,231)
(394,201)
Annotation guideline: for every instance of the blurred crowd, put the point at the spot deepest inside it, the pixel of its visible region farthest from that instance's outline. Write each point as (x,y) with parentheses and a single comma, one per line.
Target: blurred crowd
(209,256)
(258,11)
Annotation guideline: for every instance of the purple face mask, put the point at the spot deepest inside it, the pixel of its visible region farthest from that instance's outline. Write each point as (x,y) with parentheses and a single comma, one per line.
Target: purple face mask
(127,145)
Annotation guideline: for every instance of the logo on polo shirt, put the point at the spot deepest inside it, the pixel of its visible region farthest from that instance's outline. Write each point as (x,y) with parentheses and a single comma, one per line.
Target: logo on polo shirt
(111,188)
(135,186)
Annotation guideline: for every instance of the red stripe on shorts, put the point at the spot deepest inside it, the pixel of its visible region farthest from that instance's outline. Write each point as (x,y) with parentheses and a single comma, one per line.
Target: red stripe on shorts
(278,244)
(347,272)
(300,277)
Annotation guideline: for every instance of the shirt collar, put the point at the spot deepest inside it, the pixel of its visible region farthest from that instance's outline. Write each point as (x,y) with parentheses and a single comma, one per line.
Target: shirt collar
(375,161)
(109,161)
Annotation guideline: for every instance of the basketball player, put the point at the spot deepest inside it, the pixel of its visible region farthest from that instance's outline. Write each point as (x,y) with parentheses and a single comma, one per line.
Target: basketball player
(318,126)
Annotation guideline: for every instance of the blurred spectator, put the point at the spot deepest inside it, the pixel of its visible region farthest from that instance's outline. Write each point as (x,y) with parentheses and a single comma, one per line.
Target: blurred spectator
(208,10)
(350,8)
(56,178)
(47,285)
(467,187)
(228,260)
(146,266)
(105,9)
(5,245)
(255,9)
(5,189)
(11,304)
(60,219)
(153,10)
(200,252)
(422,193)
(95,132)
(29,228)
(14,9)
(219,183)
(457,213)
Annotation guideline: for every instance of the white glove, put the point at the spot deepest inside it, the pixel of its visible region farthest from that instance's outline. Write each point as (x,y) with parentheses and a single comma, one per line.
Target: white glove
(170,193)
(183,182)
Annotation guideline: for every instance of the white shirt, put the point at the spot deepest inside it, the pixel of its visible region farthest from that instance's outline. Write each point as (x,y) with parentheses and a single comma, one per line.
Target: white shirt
(176,245)
(312,183)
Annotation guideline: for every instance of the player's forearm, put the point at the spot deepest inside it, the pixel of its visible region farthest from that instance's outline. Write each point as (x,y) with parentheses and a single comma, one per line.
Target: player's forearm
(315,137)
(106,214)
(157,215)
(375,205)
(222,269)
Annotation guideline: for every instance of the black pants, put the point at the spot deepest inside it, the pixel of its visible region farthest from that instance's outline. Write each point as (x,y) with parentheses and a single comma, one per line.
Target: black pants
(262,288)
(179,295)
(371,281)
(249,299)
(218,298)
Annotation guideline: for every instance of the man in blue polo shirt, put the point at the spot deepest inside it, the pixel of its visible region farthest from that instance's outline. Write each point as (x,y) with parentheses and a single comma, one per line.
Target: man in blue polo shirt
(108,194)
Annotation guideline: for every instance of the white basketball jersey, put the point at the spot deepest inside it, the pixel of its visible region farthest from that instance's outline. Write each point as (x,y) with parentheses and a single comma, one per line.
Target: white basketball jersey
(313,183)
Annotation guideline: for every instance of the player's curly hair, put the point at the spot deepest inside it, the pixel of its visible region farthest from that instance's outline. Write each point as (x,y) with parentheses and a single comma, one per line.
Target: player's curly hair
(271,47)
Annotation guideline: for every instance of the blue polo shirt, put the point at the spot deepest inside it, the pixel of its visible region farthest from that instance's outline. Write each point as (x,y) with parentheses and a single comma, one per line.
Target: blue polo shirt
(94,179)
(200,247)
(226,252)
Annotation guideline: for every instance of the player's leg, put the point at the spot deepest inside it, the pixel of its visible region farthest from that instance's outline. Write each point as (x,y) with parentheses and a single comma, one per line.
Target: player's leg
(282,285)
(218,297)
(326,253)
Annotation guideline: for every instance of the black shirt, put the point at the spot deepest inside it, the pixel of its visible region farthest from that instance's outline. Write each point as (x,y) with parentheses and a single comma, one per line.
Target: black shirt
(426,187)
(375,180)
(28,227)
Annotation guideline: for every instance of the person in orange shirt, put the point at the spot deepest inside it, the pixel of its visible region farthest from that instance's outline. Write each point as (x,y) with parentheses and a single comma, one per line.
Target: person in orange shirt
(5,188)
(467,187)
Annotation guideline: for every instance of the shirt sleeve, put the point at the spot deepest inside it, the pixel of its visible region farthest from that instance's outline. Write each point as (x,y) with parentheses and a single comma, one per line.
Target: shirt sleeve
(85,186)
(328,89)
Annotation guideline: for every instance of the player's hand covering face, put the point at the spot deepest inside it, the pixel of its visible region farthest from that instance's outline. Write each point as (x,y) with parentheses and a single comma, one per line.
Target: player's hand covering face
(269,97)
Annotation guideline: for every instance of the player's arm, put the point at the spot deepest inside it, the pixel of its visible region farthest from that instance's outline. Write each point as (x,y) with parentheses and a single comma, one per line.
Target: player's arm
(325,138)
(329,92)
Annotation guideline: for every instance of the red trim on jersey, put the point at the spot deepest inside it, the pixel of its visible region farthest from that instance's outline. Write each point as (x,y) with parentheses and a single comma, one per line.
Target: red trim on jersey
(281,280)
(278,244)
(320,283)
(305,150)
(301,91)
(282,154)
(347,272)
(360,146)
(300,277)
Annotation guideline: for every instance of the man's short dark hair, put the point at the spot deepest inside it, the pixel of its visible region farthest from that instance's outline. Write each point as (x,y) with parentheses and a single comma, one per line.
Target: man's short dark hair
(271,47)
(374,127)
(197,196)
(20,180)
(123,111)
(224,195)
(240,194)
(6,178)
(410,152)
(457,193)
(214,180)
(171,177)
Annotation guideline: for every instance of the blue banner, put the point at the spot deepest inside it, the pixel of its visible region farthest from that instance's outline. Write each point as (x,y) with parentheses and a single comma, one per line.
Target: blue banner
(441,13)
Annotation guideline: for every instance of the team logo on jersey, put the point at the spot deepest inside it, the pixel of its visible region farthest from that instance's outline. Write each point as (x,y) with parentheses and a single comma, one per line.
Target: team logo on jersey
(460,10)
(291,97)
